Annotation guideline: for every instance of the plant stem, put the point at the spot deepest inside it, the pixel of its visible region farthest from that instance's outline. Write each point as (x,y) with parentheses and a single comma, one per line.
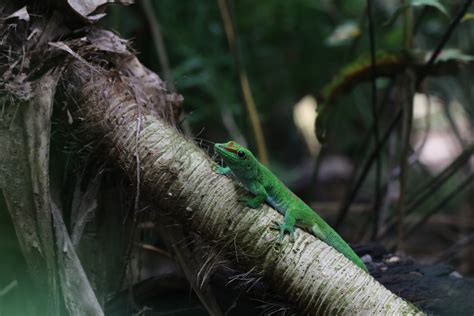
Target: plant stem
(158,42)
(244,83)
(459,189)
(408,26)
(378,167)
(409,90)
(420,77)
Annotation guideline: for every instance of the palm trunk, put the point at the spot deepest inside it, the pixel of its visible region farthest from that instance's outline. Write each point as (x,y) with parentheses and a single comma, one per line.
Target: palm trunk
(178,176)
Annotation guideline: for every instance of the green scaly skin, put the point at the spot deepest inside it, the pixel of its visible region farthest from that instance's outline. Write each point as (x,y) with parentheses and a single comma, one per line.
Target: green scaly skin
(266,187)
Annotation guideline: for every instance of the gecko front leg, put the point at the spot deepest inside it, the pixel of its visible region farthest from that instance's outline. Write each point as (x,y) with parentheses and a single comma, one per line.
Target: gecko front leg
(222,170)
(288,225)
(260,195)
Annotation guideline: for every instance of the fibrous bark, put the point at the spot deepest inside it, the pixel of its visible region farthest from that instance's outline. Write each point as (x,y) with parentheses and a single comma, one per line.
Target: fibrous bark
(178,177)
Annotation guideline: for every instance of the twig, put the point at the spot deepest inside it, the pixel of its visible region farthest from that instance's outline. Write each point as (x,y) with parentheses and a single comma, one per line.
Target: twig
(457,247)
(443,41)
(137,158)
(407,115)
(354,183)
(244,83)
(152,248)
(158,42)
(405,151)
(365,170)
(460,188)
(408,26)
(378,168)
(421,76)
(420,196)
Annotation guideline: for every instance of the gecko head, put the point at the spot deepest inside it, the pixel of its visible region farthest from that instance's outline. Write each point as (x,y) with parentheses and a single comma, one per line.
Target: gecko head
(236,157)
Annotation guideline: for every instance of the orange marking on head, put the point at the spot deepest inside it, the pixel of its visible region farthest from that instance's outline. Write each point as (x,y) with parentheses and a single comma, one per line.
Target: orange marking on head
(231,150)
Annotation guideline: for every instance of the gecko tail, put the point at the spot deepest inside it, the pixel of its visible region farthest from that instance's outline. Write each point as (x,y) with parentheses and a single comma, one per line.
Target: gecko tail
(333,239)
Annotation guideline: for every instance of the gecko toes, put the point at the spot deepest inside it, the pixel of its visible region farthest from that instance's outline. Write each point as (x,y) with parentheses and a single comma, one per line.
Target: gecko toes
(283,228)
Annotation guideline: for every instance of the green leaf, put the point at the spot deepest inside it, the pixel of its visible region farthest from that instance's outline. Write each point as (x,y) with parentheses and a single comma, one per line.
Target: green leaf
(343,33)
(452,54)
(431,3)
(467,17)
(416,3)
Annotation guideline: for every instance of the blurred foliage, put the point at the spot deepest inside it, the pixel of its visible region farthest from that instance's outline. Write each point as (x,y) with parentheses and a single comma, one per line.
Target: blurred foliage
(291,49)
(284,48)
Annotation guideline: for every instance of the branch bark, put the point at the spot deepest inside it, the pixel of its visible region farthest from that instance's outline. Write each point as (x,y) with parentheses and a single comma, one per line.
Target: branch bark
(178,176)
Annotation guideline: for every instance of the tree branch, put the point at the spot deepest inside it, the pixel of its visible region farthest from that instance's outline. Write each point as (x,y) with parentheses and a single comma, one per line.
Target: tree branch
(178,176)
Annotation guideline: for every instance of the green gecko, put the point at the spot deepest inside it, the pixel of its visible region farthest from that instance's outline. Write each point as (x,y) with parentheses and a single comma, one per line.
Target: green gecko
(265,186)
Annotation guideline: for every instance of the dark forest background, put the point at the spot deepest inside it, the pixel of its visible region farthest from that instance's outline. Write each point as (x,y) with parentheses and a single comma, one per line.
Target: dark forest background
(302,55)
(365,109)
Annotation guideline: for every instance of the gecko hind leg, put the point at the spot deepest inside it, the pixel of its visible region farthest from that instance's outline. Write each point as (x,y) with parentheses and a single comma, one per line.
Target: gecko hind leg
(288,225)
(318,232)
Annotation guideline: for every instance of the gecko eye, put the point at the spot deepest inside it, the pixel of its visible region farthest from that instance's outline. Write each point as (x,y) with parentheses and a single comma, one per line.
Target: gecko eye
(241,153)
